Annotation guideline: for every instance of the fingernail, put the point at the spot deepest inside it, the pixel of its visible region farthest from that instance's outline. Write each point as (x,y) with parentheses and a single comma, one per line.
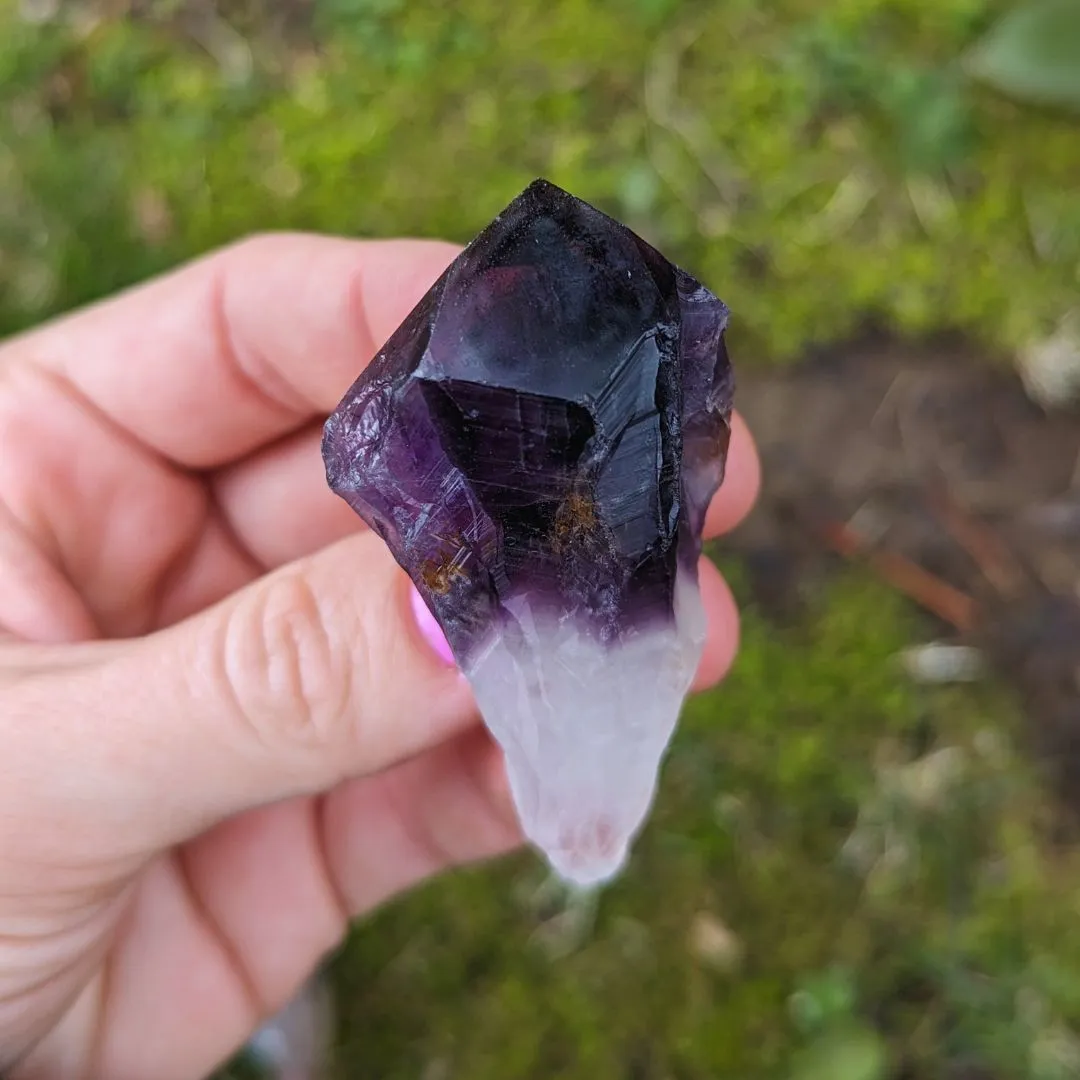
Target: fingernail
(430,630)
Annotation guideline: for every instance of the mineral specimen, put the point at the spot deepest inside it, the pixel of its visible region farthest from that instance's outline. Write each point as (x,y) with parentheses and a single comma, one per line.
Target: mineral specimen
(537,444)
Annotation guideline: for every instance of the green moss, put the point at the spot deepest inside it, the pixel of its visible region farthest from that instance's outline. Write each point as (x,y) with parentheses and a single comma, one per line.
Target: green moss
(870,846)
(820,164)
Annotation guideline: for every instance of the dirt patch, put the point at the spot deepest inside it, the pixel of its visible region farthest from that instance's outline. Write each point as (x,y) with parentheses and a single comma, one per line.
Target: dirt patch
(937,464)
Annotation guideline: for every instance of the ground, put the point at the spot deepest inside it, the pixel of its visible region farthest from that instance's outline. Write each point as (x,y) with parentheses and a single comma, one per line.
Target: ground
(851,874)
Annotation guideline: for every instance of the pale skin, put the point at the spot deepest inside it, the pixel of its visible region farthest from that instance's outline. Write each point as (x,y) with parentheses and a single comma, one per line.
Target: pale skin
(223,732)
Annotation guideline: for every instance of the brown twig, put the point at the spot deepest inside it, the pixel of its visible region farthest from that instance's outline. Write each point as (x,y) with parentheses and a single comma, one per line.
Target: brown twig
(926,590)
(987,550)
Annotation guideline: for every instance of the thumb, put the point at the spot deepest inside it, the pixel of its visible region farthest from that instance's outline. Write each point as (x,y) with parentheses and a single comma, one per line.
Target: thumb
(315,673)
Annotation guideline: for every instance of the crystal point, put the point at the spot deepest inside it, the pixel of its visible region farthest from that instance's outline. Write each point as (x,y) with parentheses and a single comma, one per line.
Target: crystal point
(538,443)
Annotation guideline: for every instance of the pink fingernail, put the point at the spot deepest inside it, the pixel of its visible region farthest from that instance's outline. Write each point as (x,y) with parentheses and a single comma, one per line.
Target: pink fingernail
(429,627)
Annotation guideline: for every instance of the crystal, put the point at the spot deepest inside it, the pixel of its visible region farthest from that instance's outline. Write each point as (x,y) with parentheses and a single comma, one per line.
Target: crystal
(538,443)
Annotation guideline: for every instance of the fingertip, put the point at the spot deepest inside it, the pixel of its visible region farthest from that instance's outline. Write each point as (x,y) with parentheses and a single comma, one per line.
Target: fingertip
(722,641)
(447,807)
(742,482)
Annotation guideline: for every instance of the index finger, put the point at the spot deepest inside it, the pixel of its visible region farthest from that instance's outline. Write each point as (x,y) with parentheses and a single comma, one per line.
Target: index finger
(242,346)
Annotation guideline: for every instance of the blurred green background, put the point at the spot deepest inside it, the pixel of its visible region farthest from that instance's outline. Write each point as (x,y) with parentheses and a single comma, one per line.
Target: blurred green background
(822,163)
(848,875)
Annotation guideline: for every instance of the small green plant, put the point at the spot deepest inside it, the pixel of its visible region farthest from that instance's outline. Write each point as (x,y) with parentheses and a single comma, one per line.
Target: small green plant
(1033,54)
(821,165)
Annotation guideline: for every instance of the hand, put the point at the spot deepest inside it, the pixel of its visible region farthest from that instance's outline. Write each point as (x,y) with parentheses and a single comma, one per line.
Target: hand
(224,733)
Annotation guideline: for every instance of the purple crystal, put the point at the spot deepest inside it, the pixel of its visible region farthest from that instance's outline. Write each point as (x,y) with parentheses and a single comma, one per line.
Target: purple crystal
(537,444)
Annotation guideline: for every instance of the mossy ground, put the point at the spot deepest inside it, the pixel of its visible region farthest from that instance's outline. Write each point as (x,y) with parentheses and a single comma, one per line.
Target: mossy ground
(844,880)
(846,876)
(820,163)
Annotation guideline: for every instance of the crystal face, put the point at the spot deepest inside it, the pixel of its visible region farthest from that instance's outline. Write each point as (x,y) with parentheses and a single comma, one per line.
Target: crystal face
(538,443)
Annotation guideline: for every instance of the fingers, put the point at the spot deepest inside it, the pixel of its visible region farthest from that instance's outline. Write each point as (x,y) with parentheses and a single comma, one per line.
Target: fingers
(312,675)
(385,834)
(315,673)
(308,676)
(742,482)
(238,348)
(722,640)
(280,884)
(36,602)
(277,502)
(176,1003)
(278,505)
(249,908)
(276,887)
(253,906)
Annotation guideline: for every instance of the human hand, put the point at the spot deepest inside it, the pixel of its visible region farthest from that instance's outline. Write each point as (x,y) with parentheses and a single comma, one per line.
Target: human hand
(224,733)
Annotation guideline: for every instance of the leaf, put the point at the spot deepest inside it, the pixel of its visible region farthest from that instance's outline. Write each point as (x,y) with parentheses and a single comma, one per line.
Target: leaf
(848,1053)
(1033,54)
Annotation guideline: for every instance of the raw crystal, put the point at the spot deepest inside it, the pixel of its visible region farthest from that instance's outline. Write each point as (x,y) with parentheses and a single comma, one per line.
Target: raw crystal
(537,443)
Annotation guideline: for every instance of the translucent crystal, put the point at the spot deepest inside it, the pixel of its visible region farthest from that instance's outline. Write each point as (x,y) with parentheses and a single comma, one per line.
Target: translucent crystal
(537,444)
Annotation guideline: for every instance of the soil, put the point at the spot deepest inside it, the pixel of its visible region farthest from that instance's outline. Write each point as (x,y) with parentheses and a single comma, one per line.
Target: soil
(940,458)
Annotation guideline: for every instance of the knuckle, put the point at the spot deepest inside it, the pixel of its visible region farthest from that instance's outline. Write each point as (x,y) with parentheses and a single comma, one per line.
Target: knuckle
(289,674)
(255,249)
(262,242)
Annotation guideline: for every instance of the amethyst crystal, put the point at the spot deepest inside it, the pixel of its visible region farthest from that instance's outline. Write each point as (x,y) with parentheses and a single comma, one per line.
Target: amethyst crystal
(537,444)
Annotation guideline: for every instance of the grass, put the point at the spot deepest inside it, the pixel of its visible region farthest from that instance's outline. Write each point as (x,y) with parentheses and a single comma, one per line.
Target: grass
(821,164)
(844,880)
(846,877)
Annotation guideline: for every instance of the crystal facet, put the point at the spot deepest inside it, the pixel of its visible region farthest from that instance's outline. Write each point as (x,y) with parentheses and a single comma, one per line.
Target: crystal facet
(538,443)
